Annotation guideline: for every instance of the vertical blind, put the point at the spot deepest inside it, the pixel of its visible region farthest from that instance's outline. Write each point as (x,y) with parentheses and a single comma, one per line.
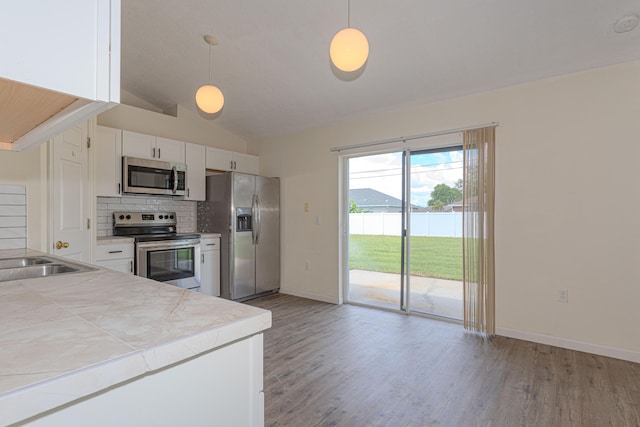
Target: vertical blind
(478,230)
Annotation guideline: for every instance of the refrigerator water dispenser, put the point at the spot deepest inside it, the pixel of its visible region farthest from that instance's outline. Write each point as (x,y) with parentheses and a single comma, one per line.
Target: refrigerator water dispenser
(243,219)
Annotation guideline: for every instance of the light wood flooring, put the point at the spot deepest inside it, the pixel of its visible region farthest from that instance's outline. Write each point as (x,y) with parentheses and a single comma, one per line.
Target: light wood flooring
(330,365)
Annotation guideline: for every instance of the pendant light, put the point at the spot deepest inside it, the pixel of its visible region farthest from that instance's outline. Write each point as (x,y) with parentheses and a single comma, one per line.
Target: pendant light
(209,98)
(349,48)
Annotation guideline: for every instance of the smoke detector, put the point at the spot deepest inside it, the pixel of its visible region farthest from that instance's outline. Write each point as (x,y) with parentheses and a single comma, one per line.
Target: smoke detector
(626,23)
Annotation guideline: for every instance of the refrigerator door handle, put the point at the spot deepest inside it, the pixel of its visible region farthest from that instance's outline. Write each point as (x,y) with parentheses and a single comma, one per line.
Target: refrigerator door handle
(254,219)
(258,219)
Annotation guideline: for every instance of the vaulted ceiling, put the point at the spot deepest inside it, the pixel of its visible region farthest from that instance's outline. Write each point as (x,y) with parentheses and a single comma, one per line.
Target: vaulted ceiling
(273,66)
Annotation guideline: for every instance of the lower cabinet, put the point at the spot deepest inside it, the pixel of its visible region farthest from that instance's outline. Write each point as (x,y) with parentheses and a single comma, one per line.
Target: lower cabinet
(210,268)
(115,256)
(222,387)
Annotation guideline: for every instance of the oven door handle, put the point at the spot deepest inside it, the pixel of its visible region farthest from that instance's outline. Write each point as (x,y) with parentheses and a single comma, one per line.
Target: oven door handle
(168,244)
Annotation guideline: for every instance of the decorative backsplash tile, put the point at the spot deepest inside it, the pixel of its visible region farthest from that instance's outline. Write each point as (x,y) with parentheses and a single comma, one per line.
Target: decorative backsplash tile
(205,217)
(13,216)
(185,210)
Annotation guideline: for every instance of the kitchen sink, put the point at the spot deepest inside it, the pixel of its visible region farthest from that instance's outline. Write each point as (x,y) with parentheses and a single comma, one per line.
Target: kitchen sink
(23,262)
(37,266)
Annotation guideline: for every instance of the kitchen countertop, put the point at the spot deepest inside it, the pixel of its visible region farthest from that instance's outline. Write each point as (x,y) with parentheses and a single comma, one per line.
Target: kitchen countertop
(107,240)
(209,235)
(68,336)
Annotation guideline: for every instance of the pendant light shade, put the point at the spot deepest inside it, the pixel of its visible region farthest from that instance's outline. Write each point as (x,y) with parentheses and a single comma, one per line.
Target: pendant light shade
(349,49)
(208,97)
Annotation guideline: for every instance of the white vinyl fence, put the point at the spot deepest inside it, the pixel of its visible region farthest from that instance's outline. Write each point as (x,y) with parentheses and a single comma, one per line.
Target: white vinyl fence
(435,224)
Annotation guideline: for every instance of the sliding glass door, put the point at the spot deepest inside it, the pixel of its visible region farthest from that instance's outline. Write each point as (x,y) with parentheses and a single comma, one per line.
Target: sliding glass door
(404,240)
(434,232)
(375,189)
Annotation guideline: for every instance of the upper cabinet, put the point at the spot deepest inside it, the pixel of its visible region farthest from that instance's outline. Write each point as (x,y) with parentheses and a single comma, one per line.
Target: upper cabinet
(224,160)
(108,161)
(170,150)
(60,66)
(151,147)
(196,179)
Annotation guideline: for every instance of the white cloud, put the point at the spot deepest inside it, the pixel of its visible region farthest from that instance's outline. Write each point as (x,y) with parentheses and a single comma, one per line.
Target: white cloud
(383,173)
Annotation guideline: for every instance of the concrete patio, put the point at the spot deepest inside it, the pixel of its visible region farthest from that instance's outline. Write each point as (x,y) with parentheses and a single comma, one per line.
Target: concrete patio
(427,295)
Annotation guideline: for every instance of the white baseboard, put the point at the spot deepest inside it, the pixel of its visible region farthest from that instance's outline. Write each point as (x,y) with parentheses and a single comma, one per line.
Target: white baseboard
(617,353)
(302,294)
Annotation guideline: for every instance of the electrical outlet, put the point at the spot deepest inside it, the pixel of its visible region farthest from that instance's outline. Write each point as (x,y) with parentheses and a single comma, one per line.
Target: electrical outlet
(306,206)
(307,265)
(563,295)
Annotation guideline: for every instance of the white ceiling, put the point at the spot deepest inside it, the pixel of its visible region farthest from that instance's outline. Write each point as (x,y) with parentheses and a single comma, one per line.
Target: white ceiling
(273,67)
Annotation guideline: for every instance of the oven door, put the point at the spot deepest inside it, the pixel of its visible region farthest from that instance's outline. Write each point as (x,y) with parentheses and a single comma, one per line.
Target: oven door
(175,262)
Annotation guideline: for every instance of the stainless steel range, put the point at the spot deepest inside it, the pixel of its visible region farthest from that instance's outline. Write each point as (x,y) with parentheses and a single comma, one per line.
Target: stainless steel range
(161,253)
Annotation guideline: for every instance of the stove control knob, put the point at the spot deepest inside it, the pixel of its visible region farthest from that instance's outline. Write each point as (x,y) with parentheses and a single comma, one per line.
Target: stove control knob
(121,217)
(171,217)
(128,216)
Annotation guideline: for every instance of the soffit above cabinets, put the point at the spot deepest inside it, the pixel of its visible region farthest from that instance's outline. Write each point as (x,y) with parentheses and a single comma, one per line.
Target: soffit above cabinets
(24,107)
(54,77)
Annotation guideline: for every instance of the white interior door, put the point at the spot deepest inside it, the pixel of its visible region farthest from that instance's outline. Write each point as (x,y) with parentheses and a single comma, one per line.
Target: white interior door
(71,195)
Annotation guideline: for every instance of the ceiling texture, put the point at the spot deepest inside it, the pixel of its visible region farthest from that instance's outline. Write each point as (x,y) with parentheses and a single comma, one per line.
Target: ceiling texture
(272,62)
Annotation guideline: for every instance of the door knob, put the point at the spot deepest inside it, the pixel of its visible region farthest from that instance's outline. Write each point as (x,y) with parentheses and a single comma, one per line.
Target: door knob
(60,245)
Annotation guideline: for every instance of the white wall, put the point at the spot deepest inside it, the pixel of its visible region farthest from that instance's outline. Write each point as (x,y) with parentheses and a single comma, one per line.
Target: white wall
(28,168)
(567,156)
(185,126)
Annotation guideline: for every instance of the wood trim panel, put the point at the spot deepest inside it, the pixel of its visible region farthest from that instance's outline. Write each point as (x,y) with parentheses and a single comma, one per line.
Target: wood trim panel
(24,107)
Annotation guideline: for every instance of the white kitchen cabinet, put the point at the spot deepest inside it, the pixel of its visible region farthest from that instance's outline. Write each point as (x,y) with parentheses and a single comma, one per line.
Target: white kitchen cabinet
(223,387)
(108,161)
(60,66)
(210,268)
(218,159)
(145,146)
(170,150)
(245,163)
(115,256)
(196,172)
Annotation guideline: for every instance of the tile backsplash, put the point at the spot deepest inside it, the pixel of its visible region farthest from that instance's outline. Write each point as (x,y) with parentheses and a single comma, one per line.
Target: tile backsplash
(13,216)
(186,210)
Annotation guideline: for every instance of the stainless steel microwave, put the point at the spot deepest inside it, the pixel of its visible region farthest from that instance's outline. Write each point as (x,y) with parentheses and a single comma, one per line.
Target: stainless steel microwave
(143,176)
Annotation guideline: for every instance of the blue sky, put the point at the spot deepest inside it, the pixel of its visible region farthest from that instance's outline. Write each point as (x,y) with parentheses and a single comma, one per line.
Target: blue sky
(383,172)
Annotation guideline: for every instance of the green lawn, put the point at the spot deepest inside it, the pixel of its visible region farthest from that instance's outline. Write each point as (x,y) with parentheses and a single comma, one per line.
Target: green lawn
(439,257)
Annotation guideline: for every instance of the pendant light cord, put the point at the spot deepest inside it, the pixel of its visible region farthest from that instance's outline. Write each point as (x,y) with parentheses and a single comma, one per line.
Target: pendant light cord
(348,13)
(209,64)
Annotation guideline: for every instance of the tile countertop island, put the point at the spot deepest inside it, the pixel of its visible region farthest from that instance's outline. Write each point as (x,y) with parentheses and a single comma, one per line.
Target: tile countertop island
(80,337)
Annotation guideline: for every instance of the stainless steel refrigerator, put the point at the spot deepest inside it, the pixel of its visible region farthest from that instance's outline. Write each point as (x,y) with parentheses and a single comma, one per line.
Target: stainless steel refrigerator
(245,210)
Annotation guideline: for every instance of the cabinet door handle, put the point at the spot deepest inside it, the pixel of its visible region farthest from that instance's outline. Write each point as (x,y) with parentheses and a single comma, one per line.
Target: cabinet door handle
(202,255)
(210,244)
(119,189)
(115,252)
(153,152)
(159,153)
(187,192)
(131,263)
